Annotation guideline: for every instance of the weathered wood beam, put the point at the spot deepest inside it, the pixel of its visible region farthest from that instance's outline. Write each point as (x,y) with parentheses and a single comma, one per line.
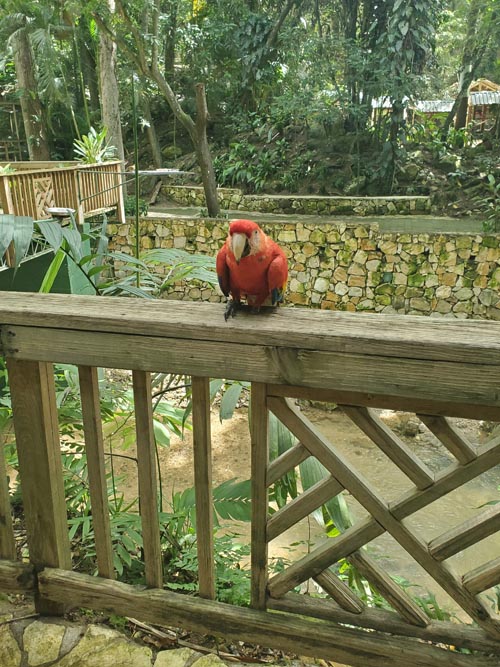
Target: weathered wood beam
(388,588)
(466,534)
(366,359)
(287,461)
(483,577)
(259,433)
(147,478)
(339,592)
(461,635)
(37,440)
(94,447)
(284,631)
(16,577)
(392,446)
(450,437)
(202,461)
(302,506)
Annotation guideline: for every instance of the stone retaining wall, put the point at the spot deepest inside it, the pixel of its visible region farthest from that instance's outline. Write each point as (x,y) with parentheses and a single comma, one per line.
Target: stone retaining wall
(353,267)
(301,204)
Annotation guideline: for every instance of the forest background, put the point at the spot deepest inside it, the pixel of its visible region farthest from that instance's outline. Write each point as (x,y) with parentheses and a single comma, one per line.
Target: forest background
(274,96)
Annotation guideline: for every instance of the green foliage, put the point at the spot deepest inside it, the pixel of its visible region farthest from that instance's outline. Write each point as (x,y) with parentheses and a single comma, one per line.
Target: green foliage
(129,205)
(93,148)
(492,224)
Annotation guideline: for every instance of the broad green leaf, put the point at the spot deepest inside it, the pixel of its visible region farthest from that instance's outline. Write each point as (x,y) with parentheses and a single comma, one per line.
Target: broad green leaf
(23,233)
(6,232)
(52,233)
(230,400)
(74,241)
(162,434)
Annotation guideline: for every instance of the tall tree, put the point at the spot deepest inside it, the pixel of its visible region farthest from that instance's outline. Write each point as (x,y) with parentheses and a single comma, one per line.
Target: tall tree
(142,49)
(110,96)
(483,23)
(16,25)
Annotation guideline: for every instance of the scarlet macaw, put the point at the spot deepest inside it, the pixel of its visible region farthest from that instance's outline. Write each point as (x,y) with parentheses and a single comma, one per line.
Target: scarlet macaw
(250,264)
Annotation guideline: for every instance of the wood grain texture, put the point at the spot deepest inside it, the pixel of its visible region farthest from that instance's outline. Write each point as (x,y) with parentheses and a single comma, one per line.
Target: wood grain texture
(7,540)
(461,635)
(259,432)
(339,592)
(202,450)
(483,577)
(450,436)
(94,447)
(146,473)
(346,645)
(40,469)
(455,384)
(361,489)
(466,534)
(16,577)
(387,587)
(371,424)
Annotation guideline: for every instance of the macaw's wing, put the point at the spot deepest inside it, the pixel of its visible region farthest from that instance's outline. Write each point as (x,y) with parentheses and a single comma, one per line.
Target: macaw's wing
(277,277)
(223,270)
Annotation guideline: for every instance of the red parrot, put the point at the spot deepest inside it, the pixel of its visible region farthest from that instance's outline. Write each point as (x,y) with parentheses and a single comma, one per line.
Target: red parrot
(252,265)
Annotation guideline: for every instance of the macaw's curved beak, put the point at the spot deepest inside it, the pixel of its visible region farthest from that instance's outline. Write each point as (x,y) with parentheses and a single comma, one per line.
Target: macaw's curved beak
(240,246)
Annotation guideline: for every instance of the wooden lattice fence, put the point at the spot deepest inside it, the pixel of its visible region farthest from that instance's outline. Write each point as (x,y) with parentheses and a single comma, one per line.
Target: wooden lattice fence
(437,369)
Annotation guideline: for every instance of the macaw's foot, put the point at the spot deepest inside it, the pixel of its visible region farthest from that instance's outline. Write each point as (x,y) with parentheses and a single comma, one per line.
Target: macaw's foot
(231,308)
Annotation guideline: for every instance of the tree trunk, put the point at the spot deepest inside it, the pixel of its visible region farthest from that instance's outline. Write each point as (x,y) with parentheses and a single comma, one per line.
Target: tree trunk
(31,106)
(203,153)
(154,144)
(110,98)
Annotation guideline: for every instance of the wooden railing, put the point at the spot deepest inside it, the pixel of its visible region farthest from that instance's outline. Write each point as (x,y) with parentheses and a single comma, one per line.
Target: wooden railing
(437,369)
(88,189)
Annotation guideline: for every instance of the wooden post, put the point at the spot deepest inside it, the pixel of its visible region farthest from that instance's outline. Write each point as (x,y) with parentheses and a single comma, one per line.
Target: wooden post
(259,427)
(37,438)
(202,453)
(94,447)
(146,469)
(7,541)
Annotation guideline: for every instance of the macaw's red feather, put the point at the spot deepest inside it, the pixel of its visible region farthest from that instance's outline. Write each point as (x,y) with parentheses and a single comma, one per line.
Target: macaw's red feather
(260,273)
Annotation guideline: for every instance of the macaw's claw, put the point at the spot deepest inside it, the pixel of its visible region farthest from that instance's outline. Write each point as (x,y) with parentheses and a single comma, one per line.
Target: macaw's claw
(231,308)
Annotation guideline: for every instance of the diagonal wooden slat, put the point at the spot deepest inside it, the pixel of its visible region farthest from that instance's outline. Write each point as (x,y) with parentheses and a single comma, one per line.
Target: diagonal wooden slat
(302,506)
(483,577)
(388,588)
(451,438)
(368,529)
(339,592)
(370,423)
(466,534)
(92,428)
(288,460)
(146,472)
(454,476)
(363,492)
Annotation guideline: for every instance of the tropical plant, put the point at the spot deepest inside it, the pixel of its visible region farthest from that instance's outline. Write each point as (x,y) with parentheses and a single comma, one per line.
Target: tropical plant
(93,148)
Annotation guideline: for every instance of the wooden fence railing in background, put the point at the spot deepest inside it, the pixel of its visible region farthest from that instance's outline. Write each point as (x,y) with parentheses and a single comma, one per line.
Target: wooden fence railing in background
(87,188)
(436,369)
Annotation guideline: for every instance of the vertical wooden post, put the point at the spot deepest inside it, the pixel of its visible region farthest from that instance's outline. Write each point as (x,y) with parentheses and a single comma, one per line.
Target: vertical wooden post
(94,447)
(146,469)
(37,438)
(7,541)
(259,427)
(120,188)
(202,453)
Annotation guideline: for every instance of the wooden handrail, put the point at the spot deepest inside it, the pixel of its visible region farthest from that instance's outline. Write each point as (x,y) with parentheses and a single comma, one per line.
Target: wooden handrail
(436,368)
